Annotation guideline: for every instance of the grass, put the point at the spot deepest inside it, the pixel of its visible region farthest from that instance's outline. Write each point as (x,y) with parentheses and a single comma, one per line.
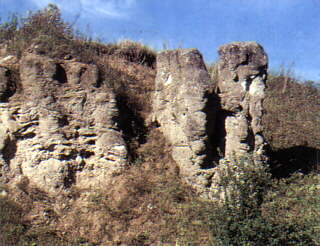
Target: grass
(292,113)
(292,125)
(151,206)
(45,32)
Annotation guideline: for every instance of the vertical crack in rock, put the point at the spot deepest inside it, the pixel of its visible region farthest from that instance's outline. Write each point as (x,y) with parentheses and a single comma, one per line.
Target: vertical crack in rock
(183,106)
(9,151)
(60,74)
(7,85)
(131,124)
(220,131)
(211,153)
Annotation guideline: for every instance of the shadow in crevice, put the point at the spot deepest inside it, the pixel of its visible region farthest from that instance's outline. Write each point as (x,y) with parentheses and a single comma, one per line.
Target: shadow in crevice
(131,124)
(284,162)
(60,74)
(211,110)
(11,86)
(9,151)
(250,139)
(70,178)
(220,132)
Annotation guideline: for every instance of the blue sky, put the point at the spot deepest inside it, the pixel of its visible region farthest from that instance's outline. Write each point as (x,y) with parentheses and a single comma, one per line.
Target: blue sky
(289,30)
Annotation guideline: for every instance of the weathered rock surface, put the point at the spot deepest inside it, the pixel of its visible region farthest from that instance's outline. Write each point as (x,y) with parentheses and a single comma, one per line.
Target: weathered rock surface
(242,72)
(180,106)
(187,118)
(60,130)
(8,60)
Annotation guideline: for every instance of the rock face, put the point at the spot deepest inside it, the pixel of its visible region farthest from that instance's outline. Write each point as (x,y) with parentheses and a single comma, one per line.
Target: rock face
(187,112)
(60,130)
(242,72)
(180,107)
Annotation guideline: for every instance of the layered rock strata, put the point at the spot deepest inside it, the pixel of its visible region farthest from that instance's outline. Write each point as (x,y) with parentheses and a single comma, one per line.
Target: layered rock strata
(60,130)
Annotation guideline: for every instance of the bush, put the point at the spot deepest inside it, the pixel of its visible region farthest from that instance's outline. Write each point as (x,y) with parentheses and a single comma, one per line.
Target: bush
(296,202)
(51,35)
(45,26)
(284,95)
(251,215)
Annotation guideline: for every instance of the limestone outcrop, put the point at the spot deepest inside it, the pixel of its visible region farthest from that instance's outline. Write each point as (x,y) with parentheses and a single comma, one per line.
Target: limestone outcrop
(180,107)
(187,110)
(59,127)
(242,73)
(59,130)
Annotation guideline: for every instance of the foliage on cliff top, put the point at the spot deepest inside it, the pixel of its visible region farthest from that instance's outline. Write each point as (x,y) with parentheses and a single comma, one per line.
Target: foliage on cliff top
(57,38)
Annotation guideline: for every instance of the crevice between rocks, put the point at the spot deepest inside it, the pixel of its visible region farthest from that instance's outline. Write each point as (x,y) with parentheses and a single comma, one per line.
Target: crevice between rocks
(131,124)
(60,74)
(12,85)
(211,156)
(9,151)
(220,132)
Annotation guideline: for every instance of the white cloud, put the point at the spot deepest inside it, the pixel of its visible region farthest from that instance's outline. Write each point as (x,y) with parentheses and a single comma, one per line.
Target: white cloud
(105,8)
(109,8)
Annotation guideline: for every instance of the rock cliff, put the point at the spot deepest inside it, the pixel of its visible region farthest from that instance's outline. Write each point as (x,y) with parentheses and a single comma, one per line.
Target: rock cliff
(60,126)
(59,130)
(187,110)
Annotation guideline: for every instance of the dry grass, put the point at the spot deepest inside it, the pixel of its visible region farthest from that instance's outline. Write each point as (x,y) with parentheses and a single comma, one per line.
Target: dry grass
(292,125)
(147,205)
(292,113)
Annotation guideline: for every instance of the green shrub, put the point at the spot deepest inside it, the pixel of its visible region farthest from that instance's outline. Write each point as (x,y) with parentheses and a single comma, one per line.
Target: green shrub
(249,215)
(296,202)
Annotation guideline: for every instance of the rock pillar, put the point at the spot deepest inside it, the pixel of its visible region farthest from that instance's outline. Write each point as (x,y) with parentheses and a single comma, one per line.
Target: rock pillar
(242,73)
(180,108)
